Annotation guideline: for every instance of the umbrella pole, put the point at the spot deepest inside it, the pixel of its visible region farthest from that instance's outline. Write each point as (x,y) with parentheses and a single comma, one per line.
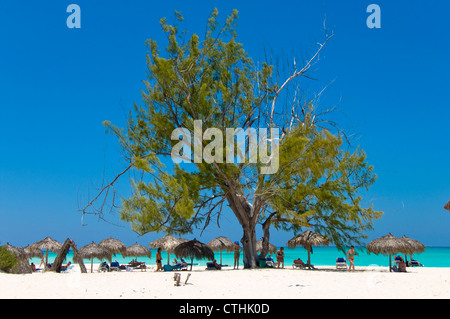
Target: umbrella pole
(220,257)
(168,258)
(92,265)
(46,260)
(192,262)
(309,257)
(390,263)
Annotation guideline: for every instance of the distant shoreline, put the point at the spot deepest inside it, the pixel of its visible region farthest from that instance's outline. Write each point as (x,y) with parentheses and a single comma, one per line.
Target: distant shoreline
(433,257)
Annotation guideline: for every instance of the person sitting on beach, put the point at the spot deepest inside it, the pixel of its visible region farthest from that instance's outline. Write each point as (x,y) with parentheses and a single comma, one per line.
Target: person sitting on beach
(135,263)
(66,266)
(33,267)
(401,266)
(214,262)
(299,262)
(182,263)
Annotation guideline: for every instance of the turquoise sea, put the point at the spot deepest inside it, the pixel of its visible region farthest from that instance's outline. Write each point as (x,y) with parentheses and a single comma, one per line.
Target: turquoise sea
(321,256)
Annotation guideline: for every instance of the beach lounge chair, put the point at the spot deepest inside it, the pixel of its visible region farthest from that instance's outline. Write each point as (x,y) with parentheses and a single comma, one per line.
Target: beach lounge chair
(137,265)
(397,269)
(414,263)
(298,263)
(67,269)
(397,260)
(188,264)
(167,267)
(212,266)
(341,263)
(115,266)
(178,266)
(270,263)
(103,267)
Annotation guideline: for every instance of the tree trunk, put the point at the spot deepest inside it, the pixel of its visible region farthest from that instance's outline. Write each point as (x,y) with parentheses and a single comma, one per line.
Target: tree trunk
(266,238)
(247,217)
(62,255)
(249,247)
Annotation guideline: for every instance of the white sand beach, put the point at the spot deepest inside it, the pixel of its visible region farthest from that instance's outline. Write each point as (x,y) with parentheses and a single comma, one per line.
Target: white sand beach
(286,283)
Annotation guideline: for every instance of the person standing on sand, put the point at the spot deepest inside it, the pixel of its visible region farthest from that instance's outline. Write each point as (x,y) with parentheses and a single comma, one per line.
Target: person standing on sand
(280,257)
(237,253)
(158,260)
(351,253)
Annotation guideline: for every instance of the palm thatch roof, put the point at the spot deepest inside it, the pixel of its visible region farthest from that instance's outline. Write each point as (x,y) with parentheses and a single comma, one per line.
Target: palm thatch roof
(48,244)
(389,245)
(92,251)
(167,243)
(33,252)
(307,240)
(417,246)
(194,249)
(114,246)
(447,206)
(259,246)
(137,250)
(19,252)
(221,244)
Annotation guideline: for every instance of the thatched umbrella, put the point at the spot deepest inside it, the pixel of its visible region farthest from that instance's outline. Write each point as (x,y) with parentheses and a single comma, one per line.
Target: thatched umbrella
(417,246)
(308,239)
(447,206)
(221,244)
(259,247)
(194,249)
(167,243)
(389,245)
(137,250)
(19,252)
(33,252)
(92,251)
(47,244)
(114,246)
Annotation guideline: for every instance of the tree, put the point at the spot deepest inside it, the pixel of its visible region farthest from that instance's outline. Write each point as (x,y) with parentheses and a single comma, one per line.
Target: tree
(215,83)
(8,260)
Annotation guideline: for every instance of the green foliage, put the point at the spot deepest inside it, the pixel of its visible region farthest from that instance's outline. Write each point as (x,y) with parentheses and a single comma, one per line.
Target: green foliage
(319,185)
(7,259)
(212,79)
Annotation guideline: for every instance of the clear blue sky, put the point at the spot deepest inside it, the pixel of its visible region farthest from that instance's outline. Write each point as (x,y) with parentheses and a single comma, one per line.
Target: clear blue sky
(57,85)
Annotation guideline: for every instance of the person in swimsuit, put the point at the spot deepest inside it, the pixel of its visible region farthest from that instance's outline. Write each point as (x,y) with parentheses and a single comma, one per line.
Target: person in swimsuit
(158,260)
(280,257)
(237,252)
(351,253)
